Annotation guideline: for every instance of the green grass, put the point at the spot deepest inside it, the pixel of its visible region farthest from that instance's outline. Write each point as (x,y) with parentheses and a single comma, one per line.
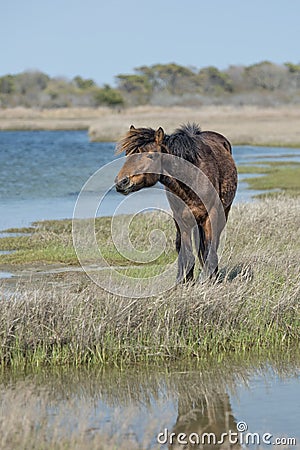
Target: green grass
(281,176)
(51,242)
(48,241)
(254,308)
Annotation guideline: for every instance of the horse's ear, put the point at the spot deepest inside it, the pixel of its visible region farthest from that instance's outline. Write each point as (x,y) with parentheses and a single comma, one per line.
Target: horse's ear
(159,136)
(132,127)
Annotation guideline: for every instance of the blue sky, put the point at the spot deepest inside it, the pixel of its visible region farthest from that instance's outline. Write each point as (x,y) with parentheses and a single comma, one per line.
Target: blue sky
(100,39)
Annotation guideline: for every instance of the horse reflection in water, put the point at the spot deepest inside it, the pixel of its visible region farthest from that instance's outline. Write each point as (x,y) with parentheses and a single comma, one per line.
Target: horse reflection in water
(207,420)
(201,203)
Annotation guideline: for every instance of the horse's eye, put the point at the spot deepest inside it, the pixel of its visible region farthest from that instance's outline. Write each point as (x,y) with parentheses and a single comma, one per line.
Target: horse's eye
(150,155)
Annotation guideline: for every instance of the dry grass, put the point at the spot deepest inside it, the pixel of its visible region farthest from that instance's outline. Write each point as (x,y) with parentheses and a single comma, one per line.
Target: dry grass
(242,125)
(21,118)
(254,307)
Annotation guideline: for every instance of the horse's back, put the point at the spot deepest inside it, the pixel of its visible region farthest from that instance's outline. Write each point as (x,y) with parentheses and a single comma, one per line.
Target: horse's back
(221,149)
(212,137)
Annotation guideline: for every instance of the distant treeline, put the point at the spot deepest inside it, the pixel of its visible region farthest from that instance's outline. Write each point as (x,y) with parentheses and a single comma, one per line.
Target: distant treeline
(264,83)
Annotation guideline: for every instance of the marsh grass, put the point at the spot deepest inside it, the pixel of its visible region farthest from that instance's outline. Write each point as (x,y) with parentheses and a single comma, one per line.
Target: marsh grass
(276,176)
(51,241)
(254,306)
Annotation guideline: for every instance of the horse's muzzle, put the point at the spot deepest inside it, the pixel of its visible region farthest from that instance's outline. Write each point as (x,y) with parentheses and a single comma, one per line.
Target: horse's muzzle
(122,185)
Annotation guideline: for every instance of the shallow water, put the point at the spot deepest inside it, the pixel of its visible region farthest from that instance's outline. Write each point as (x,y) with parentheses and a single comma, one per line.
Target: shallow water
(42,172)
(5,275)
(135,406)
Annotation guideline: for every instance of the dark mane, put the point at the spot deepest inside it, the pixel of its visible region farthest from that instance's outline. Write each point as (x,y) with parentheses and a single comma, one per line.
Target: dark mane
(184,143)
(135,139)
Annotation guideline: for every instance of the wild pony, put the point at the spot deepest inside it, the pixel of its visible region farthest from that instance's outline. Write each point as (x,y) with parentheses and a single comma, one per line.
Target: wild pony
(200,177)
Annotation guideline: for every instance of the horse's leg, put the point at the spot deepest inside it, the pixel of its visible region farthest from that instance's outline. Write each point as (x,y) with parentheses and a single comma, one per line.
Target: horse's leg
(186,259)
(211,241)
(199,237)
(178,238)
(210,268)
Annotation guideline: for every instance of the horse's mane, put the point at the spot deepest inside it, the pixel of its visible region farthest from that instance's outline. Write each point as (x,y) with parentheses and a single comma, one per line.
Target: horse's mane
(183,142)
(135,139)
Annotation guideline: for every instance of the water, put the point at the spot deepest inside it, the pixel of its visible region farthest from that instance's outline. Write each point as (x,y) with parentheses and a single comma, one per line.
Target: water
(134,409)
(5,275)
(42,172)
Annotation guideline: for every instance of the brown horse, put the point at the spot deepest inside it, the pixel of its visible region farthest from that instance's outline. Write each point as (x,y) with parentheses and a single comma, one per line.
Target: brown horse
(200,177)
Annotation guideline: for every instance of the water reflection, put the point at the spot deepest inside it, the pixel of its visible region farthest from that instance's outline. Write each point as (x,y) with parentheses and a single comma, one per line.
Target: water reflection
(205,419)
(130,408)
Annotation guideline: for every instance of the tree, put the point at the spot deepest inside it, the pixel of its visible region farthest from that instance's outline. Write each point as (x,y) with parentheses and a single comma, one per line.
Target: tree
(7,84)
(293,68)
(172,78)
(265,75)
(82,83)
(212,80)
(136,88)
(31,80)
(108,96)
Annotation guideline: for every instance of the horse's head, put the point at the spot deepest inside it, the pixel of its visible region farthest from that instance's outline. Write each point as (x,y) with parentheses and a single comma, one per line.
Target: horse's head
(142,168)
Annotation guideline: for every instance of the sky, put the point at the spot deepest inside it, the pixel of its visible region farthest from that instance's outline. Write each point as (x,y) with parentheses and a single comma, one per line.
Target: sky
(100,39)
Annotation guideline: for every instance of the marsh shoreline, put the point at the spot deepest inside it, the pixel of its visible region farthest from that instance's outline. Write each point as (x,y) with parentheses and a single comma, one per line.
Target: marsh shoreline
(248,125)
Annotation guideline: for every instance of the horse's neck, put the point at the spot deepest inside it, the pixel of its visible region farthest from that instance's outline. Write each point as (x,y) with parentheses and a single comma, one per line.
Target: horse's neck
(175,187)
